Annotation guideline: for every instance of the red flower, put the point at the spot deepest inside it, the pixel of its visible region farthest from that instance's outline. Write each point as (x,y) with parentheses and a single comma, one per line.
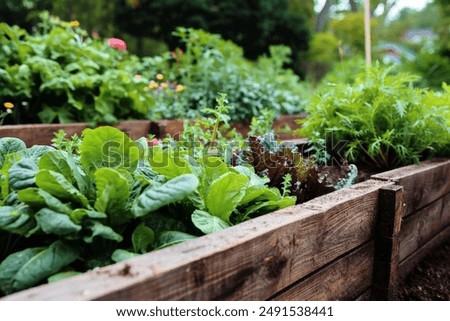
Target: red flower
(119,44)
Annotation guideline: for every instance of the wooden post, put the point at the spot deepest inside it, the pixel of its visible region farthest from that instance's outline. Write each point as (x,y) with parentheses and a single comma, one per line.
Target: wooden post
(390,210)
(367,39)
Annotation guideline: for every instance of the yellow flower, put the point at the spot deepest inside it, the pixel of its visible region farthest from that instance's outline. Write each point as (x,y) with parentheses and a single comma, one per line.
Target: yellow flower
(160,76)
(164,85)
(74,23)
(153,85)
(179,88)
(8,105)
(137,76)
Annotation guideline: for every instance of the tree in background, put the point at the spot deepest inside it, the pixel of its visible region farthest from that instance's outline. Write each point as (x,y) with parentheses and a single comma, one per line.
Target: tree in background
(95,16)
(252,24)
(21,12)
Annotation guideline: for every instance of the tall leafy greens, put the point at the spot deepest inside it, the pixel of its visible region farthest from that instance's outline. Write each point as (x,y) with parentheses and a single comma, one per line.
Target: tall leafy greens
(384,121)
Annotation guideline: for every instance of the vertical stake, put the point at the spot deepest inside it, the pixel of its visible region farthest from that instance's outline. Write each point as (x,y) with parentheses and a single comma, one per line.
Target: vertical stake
(390,211)
(367,39)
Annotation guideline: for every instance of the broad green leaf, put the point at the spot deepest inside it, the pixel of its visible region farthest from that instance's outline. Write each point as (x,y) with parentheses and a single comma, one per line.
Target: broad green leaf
(142,238)
(10,160)
(57,185)
(17,220)
(35,152)
(107,146)
(52,222)
(260,193)
(22,174)
(169,238)
(169,163)
(38,198)
(255,180)
(173,191)
(269,206)
(225,194)
(113,193)
(80,213)
(9,145)
(27,268)
(62,275)
(103,231)
(208,223)
(56,161)
(120,255)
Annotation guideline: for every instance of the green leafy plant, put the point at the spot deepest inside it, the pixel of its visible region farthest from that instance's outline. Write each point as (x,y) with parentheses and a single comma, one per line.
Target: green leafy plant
(380,120)
(103,198)
(59,74)
(208,65)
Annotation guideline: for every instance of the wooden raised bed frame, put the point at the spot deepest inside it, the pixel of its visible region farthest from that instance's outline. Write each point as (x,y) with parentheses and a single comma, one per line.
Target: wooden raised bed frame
(353,244)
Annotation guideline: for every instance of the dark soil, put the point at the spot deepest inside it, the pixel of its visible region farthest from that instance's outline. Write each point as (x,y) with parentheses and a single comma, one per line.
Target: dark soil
(430,280)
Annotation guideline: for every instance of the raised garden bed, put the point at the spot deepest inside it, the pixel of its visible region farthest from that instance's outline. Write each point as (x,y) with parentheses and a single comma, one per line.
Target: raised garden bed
(347,245)
(42,134)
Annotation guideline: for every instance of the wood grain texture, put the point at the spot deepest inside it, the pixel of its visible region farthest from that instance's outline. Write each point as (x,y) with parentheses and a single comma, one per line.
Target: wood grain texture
(419,228)
(251,261)
(409,263)
(390,210)
(423,183)
(42,134)
(346,278)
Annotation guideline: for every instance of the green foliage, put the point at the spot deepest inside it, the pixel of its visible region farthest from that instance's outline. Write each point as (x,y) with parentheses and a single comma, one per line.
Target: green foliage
(210,65)
(433,67)
(350,31)
(381,118)
(103,198)
(59,74)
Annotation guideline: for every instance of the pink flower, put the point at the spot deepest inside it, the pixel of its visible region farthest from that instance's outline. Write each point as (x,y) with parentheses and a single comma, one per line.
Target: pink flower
(153,142)
(117,43)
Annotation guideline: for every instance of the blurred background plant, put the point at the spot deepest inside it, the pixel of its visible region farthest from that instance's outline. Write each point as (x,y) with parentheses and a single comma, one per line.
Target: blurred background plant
(264,54)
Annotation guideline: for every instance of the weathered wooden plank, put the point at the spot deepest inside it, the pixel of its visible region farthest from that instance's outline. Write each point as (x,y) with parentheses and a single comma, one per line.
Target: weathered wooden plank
(343,279)
(250,261)
(409,263)
(42,134)
(422,184)
(390,210)
(420,227)
(365,296)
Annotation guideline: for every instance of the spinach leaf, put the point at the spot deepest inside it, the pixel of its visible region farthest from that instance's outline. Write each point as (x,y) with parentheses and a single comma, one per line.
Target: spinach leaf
(103,231)
(27,268)
(142,238)
(57,185)
(9,145)
(107,146)
(173,191)
(52,222)
(208,223)
(120,255)
(22,174)
(17,220)
(169,163)
(169,238)
(38,198)
(113,192)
